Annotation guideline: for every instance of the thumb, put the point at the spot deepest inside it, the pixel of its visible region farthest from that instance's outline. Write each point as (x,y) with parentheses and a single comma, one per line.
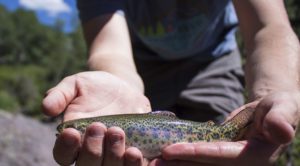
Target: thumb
(57,98)
(276,121)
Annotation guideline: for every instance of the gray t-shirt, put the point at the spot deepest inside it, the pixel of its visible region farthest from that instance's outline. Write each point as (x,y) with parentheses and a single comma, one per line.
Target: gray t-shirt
(174,29)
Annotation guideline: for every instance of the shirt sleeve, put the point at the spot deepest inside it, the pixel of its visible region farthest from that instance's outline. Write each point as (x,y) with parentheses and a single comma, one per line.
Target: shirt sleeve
(89,9)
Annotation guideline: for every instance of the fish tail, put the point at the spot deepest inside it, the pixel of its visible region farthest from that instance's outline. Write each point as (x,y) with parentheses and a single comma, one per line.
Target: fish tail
(242,119)
(239,123)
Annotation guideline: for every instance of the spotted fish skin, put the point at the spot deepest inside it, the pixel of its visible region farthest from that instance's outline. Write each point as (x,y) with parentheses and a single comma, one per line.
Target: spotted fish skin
(152,131)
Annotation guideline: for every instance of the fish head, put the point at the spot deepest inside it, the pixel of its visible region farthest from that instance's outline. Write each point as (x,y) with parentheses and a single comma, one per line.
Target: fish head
(75,125)
(60,127)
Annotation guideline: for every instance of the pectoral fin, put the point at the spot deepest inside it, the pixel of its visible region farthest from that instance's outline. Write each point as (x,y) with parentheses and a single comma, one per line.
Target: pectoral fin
(210,123)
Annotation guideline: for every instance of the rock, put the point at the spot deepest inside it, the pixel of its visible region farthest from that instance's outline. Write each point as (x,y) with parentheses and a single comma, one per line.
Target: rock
(25,141)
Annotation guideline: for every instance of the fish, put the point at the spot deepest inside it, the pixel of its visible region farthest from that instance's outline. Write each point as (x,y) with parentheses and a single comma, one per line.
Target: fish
(151,132)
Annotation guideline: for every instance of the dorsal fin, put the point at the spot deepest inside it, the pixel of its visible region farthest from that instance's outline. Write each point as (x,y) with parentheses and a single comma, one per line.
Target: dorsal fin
(164,113)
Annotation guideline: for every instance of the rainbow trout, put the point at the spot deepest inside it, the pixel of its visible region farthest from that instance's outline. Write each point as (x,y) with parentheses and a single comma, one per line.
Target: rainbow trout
(151,132)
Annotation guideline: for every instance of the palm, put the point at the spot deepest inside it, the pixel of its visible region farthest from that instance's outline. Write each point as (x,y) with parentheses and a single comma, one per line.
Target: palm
(91,94)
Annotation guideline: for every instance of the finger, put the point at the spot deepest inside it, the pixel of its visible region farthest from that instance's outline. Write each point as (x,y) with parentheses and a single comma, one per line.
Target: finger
(91,153)
(134,157)
(60,96)
(250,152)
(277,120)
(213,152)
(160,162)
(114,147)
(67,146)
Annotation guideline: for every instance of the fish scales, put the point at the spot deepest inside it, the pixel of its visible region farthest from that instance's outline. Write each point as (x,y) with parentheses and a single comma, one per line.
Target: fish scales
(152,131)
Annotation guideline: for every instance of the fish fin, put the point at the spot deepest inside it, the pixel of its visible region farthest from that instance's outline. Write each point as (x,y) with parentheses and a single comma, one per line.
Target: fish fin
(164,113)
(210,123)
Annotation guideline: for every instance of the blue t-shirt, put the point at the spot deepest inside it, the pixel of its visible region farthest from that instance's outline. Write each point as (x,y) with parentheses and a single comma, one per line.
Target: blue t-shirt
(174,29)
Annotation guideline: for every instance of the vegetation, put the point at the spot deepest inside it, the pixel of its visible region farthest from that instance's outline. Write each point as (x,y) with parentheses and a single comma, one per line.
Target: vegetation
(34,57)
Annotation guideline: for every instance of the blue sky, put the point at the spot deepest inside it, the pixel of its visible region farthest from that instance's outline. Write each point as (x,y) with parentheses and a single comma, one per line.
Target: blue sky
(48,11)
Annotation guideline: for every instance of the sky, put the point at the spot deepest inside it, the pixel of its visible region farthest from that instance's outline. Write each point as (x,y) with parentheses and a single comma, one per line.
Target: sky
(48,11)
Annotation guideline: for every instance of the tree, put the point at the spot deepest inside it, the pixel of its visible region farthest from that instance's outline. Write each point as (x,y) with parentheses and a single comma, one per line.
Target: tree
(34,57)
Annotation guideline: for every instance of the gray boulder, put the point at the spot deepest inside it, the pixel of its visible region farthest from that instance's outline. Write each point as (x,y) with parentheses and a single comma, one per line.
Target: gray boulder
(25,141)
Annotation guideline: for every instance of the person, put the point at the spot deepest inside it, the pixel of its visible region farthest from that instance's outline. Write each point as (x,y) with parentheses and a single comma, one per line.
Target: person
(181,56)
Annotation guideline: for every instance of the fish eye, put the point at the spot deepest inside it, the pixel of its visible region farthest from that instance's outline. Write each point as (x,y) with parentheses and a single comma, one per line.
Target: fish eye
(60,128)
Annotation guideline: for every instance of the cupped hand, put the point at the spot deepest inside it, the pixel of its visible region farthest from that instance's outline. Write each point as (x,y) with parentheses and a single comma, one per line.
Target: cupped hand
(92,94)
(276,117)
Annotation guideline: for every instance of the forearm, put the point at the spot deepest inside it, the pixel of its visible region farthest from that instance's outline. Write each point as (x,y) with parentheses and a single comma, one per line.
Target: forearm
(273,61)
(110,48)
(272,48)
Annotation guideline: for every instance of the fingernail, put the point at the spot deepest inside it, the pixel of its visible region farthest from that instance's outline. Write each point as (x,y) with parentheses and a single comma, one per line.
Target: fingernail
(71,141)
(95,132)
(115,139)
(160,162)
(133,162)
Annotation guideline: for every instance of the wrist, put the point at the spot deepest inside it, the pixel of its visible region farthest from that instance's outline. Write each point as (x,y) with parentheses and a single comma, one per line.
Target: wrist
(131,78)
(261,92)
(125,72)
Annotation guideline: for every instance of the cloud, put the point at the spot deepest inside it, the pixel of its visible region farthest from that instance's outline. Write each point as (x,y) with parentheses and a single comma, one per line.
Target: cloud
(53,7)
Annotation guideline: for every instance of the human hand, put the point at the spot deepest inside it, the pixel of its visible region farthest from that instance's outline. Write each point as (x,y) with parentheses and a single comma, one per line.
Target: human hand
(92,94)
(276,117)
(100,146)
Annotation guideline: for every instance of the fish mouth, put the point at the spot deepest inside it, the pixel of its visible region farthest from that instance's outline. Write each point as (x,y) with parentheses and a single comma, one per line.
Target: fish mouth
(59,128)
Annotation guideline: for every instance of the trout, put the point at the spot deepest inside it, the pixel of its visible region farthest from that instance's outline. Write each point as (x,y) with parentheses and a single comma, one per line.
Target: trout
(153,131)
